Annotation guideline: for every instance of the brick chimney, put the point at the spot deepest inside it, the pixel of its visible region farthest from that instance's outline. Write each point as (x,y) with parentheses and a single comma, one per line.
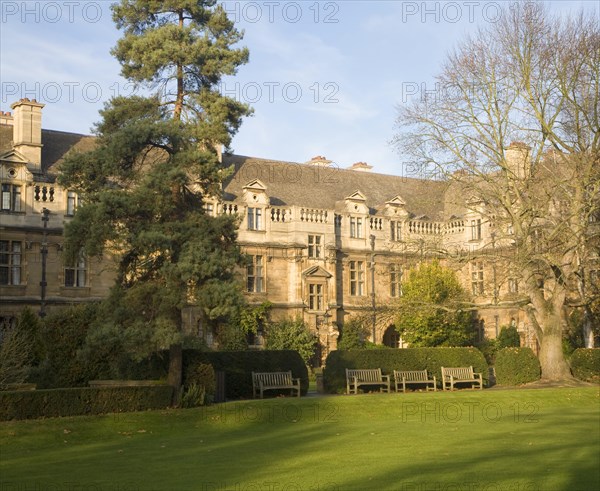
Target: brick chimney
(6,118)
(27,130)
(361,167)
(518,160)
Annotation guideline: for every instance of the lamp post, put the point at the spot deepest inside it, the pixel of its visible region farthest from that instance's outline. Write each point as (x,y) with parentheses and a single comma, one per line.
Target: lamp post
(44,252)
(372,240)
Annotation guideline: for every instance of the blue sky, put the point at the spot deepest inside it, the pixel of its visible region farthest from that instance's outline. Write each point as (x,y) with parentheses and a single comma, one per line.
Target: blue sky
(324,77)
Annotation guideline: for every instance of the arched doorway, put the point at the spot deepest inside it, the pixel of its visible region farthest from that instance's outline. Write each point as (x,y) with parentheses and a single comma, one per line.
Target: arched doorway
(391,338)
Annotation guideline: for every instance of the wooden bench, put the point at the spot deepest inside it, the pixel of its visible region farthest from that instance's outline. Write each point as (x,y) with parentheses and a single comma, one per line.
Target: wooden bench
(262,381)
(366,376)
(417,377)
(451,376)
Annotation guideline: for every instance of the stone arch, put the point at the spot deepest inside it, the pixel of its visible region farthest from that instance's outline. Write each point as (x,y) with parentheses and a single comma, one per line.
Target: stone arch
(392,338)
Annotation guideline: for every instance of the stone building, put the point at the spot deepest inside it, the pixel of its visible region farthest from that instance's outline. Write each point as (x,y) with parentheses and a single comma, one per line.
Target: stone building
(323,243)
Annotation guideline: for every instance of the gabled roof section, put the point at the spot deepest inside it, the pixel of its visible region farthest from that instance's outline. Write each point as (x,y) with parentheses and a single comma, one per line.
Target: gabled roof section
(396,201)
(13,156)
(316,272)
(255,185)
(357,196)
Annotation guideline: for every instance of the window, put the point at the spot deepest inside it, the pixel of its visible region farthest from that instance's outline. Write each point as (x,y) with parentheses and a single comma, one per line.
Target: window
(11,197)
(357,278)
(76,275)
(209,208)
(395,280)
(314,246)
(356,227)
(72,202)
(255,275)
(513,285)
(477,278)
(10,262)
(395,231)
(476,229)
(315,297)
(255,219)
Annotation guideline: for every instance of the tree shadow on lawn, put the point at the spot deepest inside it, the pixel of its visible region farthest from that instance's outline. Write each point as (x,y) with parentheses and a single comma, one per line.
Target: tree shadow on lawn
(519,462)
(238,452)
(269,445)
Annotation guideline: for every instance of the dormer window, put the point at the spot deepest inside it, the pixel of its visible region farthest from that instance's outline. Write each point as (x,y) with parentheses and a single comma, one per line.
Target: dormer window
(11,197)
(356,227)
(395,231)
(255,219)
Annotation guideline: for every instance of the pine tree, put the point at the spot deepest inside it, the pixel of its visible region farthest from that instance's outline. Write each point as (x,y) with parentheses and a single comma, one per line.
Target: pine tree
(144,185)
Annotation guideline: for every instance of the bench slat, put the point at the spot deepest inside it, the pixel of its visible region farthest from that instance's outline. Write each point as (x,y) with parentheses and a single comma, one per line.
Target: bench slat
(421,377)
(366,376)
(262,381)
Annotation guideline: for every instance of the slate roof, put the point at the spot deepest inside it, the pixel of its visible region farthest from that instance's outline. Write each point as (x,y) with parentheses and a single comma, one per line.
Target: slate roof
(291,183)
(56,144)
(287,183)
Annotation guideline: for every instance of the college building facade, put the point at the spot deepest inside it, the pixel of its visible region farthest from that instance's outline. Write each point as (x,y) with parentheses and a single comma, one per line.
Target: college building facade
(322,242)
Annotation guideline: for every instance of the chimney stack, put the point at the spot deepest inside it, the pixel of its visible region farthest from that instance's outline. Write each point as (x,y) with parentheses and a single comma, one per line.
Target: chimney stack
(27,130)
(361,167)
(6,118)
(518,160)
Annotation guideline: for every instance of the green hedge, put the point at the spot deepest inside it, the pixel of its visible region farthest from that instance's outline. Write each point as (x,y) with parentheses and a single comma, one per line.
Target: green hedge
(389,360)
(81,401)
(239,365)
(515,366)
(585,364)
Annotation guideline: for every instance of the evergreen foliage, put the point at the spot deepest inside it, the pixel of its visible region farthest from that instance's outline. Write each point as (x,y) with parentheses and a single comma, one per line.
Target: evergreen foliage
(144,185)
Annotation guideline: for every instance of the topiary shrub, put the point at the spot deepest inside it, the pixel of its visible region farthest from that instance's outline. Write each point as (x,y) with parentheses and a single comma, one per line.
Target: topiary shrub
(516,366)
(431,359)
(585,364)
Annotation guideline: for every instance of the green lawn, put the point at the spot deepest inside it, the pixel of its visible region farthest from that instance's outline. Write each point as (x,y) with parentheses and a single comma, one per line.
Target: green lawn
(517,440)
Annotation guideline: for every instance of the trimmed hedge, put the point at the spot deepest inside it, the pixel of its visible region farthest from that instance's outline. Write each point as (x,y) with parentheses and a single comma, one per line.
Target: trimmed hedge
(239,365)
(389,360)
(516,366)
(50,403)
(585,364)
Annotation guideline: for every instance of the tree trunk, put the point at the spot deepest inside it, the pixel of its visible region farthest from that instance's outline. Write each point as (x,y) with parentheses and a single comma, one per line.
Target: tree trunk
(552,359)
(175,371)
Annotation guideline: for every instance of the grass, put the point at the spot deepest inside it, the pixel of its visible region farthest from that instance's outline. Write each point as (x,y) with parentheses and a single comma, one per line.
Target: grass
(518,440)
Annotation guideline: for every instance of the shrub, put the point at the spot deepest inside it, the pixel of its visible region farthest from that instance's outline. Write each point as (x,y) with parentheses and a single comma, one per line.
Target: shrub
(15,357)
(515,366)
(198,385)
(388,360)
(82,401)
(64,335)
(489,348)
(353,335)
(585,364)
(292,334)
(509,337)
